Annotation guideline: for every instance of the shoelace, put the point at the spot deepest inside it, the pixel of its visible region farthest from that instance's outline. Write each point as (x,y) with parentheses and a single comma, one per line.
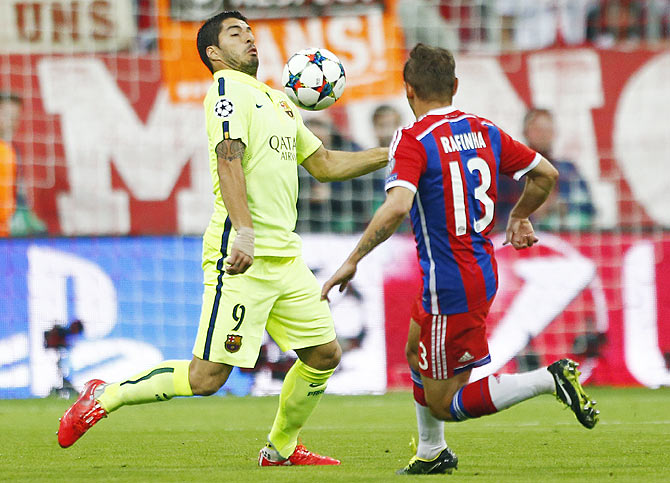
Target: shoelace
(91,416)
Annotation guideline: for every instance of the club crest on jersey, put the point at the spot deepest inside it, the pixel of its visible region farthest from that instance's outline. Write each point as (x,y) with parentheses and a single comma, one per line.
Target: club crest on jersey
(223,107)
(287,109)
(233,342)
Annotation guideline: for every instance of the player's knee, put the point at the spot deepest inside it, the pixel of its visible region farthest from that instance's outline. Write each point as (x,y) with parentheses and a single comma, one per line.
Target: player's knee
(440,405)
(322,357)
(331,356)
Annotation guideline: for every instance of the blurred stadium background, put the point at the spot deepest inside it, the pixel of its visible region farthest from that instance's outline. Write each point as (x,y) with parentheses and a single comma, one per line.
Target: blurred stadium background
(102,118)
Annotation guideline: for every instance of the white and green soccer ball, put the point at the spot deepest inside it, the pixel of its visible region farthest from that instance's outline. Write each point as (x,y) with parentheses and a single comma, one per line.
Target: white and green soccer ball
(313,78)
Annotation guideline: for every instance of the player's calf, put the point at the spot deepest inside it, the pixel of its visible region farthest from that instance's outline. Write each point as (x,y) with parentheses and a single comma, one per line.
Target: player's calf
(487,395)
(206,377)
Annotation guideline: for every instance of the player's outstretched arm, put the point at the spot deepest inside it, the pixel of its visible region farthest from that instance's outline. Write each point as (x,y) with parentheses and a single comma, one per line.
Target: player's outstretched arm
(539,182)
(326,165)
(386,221)
(229,154)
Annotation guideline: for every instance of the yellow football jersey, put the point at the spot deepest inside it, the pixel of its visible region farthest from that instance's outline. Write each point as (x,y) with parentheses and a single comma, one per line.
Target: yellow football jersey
(238,106)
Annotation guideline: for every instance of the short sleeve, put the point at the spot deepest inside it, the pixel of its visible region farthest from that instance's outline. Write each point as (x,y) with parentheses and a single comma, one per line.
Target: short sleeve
(228,115)
(306,141)
(407,161)
(516,159)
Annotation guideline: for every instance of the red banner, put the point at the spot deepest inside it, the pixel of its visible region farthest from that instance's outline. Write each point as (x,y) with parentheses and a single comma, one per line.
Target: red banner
(106,150)
(66,27)
(603,300)
(367,42)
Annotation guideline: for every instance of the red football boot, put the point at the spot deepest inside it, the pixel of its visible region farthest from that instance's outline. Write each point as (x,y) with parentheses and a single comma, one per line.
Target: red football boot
(301,456)
(81,416)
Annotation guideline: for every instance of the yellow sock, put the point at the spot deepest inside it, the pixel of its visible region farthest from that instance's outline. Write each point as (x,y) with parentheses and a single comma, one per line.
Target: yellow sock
(163,382)
(301,392)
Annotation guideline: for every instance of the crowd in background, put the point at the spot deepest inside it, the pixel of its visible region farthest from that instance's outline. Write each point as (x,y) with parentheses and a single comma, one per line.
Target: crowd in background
(347,207)
(512,25)
(16,215)
(459,25)
(505,25)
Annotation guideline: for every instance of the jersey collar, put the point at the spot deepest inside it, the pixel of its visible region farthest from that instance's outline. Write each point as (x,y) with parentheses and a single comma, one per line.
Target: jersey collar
(239,76)
(441,111)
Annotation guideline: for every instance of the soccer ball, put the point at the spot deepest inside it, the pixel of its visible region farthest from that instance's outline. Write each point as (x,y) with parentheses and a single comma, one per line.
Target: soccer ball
(313,79)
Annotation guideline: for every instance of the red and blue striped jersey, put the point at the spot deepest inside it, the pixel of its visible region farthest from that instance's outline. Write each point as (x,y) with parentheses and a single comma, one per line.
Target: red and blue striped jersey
(452,161)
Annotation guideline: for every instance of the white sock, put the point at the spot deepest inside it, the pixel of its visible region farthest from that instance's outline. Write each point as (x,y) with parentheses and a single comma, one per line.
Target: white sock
(271,453)
(508,389)
(431,433)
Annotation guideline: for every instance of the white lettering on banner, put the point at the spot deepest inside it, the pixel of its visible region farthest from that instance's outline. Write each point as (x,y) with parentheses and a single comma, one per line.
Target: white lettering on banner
(640,136)
(484,89)
(272,60)
(95,304)
(643,356)
(345,35)
(376,41)
(569,83)
(47,26)
(358,313)
(15,376)
(111,359)
(550,284)
(297,37)
(99,126)
(12,350)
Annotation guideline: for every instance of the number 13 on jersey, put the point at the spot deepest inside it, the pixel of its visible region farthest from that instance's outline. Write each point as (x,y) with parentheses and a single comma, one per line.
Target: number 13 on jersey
(459,193)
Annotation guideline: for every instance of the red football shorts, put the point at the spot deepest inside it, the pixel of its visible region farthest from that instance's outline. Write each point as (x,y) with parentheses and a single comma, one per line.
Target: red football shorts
(450,344)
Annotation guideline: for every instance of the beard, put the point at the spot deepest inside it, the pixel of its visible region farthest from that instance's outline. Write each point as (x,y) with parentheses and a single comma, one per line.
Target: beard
(250,67)
(247,65)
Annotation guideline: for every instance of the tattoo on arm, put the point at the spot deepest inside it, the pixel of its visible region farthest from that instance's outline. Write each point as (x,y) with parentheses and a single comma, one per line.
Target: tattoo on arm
(230,149)
(380,235)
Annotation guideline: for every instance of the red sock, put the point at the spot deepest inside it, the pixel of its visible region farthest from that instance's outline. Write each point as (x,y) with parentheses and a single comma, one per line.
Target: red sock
(472,401)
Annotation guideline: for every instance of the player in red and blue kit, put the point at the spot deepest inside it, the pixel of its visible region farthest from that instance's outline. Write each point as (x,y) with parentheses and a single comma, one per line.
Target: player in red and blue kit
(443,172)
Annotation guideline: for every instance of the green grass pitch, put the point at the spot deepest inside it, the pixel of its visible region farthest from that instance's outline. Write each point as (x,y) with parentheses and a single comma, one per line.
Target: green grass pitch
(217,439)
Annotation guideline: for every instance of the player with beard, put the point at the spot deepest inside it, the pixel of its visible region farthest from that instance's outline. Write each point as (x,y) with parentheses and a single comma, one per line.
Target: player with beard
(255,277)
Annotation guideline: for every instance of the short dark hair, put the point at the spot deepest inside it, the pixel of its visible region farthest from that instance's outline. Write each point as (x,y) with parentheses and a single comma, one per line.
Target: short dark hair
(383,109)
(534,112)
(431,71)
(209,33)
(8,96)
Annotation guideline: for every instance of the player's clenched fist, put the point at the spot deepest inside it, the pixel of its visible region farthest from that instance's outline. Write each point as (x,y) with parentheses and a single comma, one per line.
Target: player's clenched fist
(242,252)
(520,233)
